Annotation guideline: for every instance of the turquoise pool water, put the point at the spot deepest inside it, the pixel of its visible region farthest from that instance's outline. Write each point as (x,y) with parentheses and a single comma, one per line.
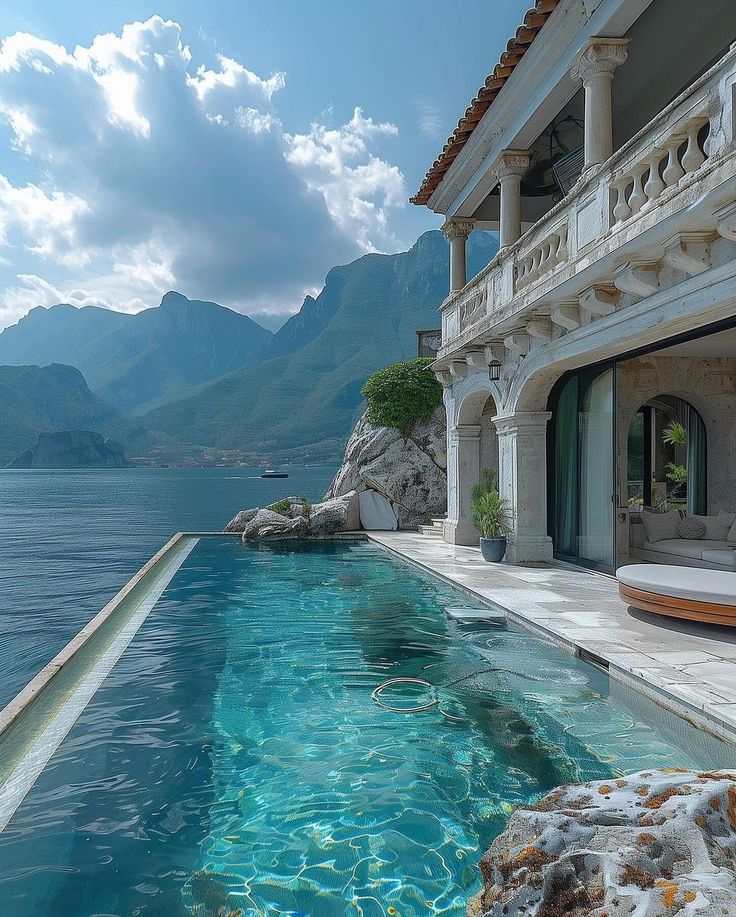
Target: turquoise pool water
(234,760)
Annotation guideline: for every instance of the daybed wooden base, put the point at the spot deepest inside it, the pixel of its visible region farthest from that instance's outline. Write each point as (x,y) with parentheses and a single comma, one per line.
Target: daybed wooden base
(678,608)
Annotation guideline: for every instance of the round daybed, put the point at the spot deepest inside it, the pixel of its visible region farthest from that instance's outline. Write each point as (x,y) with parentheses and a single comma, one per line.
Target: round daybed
(680,592)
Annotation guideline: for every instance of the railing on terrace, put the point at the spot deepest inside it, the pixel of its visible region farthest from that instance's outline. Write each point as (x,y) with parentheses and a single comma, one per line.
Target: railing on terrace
(644,183)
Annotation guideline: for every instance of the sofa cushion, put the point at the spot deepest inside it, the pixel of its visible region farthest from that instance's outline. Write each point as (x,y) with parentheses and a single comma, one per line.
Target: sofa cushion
(659,526)
(691,527)
(727,558)
(683,547)
(717,527)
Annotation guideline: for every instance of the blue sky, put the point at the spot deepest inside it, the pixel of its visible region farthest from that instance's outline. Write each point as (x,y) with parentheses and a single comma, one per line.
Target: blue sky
(234,151)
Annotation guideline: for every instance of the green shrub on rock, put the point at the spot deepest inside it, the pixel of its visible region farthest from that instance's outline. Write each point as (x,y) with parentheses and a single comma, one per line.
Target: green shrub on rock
(402,394)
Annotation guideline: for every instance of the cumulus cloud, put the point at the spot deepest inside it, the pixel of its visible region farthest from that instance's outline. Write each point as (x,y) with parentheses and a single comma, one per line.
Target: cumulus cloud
(358,188)
(151,171)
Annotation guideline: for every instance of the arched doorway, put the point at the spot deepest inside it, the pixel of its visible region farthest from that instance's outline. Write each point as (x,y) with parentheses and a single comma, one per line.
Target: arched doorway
(473,446)
(666,457)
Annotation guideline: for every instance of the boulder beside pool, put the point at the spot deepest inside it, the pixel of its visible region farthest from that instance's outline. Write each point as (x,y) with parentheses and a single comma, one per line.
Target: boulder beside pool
(655,843)
(295,518)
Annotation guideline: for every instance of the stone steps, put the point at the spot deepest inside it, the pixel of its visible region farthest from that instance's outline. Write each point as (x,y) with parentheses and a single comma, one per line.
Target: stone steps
(433,530)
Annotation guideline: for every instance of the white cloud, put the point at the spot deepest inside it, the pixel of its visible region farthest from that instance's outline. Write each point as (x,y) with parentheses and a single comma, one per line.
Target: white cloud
(154,171)
(358,193)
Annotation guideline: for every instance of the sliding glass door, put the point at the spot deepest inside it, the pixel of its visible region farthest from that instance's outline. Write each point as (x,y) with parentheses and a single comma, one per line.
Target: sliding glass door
(582,507)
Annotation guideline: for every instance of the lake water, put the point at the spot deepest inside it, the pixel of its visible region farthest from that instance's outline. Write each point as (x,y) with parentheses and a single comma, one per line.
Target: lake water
(71,539)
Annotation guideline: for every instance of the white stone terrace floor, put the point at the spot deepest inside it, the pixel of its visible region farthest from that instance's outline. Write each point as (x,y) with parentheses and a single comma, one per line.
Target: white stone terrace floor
(690,669)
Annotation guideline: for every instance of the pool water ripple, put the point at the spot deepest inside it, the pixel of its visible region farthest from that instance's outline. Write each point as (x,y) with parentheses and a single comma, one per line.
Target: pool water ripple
(235,759)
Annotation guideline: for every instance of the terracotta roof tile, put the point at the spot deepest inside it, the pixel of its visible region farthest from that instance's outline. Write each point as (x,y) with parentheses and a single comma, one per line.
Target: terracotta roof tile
(516,48)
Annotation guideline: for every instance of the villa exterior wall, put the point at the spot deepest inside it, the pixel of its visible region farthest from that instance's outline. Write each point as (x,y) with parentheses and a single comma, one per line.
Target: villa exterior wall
(642,248)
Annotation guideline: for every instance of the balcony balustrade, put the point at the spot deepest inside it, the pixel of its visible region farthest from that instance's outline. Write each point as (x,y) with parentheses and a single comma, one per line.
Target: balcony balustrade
(667,181)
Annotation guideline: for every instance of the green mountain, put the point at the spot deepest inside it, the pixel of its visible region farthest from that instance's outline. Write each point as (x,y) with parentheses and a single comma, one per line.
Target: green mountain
(135,362)
(48,399)
(301,402)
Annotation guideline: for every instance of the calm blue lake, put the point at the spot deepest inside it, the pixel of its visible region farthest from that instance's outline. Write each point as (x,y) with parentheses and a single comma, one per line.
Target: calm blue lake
(71,539)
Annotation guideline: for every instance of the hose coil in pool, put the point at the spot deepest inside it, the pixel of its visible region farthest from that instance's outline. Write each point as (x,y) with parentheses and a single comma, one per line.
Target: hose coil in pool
(375,696)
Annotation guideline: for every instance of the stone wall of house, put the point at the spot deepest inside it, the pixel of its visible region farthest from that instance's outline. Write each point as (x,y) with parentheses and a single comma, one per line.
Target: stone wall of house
(709,385)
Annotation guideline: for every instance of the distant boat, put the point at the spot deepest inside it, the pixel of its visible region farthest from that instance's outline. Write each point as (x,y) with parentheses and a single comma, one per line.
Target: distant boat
(274,474)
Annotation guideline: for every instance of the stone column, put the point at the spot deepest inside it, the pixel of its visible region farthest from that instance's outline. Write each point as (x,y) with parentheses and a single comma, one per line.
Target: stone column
(522,460)
(511,166)
(457,231)
(595,66)
(463,470)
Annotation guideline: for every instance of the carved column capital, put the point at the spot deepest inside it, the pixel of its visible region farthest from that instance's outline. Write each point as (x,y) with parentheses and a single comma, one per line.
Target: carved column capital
(458,228)
(600,55)
(511,162)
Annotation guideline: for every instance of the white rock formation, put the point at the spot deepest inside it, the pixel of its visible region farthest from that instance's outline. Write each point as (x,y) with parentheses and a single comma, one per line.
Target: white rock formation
(241,519)
(654,844)
(340,514)
(411,473)
(271,525)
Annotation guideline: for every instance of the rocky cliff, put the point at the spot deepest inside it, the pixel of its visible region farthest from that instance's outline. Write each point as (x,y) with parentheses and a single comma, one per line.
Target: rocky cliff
(72,449)
(654,844)
(410,473)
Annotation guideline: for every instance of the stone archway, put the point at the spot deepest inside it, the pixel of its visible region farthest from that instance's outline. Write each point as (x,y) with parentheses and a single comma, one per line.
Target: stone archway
(472,446)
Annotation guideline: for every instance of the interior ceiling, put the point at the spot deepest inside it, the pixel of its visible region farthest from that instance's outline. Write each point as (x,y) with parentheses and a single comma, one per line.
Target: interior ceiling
(720,344)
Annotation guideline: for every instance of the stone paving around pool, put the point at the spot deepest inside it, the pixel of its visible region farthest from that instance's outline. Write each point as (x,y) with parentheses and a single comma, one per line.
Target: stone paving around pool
(687,668)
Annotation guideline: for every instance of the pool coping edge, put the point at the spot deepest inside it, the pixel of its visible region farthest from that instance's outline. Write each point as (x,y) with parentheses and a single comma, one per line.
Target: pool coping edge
(700,719)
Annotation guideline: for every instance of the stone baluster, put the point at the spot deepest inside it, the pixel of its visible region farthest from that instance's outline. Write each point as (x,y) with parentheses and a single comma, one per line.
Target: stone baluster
(638,198)
(693,157)
(622,210)
(673,171)
(654,185)
(562,247)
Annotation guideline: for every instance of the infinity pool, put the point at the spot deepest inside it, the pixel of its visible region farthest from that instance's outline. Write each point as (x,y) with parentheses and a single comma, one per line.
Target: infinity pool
(234,760)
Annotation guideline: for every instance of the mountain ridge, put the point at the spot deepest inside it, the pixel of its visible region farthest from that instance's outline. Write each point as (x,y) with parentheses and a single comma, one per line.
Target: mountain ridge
(135,362)
(302,403)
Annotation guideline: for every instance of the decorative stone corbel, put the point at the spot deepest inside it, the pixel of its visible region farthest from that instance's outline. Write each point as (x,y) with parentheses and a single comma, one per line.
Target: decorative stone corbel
(443,377)
(494,353)
(458,370)
(638,279)
(726,222)
(476,359)
(598,301)
(518,343)
(566,315)
(540,328)
(688,252)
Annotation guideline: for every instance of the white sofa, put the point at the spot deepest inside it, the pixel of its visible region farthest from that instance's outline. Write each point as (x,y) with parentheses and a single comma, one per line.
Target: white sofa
(683,552)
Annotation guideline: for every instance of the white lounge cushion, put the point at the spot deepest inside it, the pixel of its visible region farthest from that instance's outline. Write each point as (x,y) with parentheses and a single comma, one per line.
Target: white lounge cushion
(716,527)
(684,547)
(717,587)
(727,557)
(660,525)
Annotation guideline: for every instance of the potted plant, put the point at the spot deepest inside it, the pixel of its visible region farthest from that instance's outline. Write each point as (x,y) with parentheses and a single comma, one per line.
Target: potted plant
(490,516)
